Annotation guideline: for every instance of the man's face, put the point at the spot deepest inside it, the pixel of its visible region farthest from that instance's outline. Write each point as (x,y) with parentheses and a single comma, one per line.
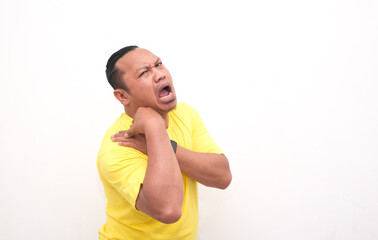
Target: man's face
(149,82)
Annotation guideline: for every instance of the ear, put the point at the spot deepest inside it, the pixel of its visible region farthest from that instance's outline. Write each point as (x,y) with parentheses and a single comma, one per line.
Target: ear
(122,96)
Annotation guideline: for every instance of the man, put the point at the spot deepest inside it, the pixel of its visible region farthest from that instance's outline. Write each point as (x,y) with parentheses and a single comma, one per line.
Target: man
(154,154)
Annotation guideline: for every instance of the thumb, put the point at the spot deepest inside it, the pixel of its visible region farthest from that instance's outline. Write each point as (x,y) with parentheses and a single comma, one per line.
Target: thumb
(130,132)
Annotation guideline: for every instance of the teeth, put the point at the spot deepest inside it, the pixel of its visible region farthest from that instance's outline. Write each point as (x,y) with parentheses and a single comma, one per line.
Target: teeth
(166,96)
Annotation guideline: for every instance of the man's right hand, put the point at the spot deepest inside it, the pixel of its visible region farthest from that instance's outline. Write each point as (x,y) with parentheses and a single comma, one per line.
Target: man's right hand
(145,118)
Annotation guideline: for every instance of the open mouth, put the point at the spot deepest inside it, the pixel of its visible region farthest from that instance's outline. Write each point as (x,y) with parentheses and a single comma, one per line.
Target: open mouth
(165,92)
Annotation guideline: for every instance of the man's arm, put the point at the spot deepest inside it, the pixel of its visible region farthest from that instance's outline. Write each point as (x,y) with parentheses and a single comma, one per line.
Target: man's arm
(161,195)
(209,169)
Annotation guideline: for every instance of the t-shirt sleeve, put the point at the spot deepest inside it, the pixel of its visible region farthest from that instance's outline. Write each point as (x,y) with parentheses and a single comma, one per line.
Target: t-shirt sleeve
(124,168)
(202,141)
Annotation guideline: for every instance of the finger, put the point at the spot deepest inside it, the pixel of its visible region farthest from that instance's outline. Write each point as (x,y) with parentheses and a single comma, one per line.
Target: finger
(117,139)
(118,134)
(125,135)
(130,132)
(127,144)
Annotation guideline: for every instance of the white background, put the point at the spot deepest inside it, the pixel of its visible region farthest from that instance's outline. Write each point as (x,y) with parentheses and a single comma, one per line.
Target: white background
(288,89)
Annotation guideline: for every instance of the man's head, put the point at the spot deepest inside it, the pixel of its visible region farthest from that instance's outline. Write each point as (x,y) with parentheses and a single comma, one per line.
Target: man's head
(140,79)
(113,74)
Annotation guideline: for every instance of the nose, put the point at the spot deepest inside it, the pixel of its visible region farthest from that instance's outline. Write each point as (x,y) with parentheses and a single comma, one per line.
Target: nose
(158,75)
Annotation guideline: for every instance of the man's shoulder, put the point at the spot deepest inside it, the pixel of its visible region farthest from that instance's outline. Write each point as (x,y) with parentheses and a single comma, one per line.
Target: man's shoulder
(184,115)
(110,148)
(183,108)
(123,122)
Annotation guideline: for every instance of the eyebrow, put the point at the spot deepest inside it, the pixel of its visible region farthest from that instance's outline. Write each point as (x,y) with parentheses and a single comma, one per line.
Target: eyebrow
(148,66)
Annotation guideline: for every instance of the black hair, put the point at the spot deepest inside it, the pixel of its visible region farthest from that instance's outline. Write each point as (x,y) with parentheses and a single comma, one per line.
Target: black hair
(113,74)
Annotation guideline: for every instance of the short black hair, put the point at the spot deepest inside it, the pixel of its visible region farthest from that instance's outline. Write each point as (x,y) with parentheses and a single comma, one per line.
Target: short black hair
(113,74)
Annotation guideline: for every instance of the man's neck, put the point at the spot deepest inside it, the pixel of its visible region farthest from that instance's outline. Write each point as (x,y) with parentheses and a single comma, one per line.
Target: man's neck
(166,120)
(165,116)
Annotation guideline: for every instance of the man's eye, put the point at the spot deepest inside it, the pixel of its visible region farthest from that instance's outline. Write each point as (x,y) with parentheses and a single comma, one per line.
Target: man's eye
(143,73)
(158,64)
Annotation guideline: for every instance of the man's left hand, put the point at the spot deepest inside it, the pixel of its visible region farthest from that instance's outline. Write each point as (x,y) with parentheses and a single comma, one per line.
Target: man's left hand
(138,141)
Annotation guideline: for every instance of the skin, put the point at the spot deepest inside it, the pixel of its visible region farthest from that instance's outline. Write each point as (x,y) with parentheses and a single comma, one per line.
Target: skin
(161,195)
(144,74)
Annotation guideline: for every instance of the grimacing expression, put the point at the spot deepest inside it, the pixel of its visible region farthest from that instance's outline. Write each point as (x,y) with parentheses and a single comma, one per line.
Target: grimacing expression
(148,80)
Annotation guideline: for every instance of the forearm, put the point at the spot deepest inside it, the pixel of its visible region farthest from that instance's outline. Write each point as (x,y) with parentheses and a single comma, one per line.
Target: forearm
(162,190)
(209,169)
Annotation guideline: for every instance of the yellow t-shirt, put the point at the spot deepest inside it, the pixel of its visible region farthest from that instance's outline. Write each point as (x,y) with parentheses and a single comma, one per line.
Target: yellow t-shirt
(122,171)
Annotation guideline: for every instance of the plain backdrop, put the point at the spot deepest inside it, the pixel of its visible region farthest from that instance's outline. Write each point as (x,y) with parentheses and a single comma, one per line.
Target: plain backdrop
(288,89)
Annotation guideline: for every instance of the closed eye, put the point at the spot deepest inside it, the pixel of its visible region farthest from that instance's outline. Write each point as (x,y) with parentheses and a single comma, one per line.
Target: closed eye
(144,72)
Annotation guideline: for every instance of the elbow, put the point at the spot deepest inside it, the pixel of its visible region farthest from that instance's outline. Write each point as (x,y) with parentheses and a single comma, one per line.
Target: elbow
(226,181)
(226,176)
(169,214)
(165,208)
